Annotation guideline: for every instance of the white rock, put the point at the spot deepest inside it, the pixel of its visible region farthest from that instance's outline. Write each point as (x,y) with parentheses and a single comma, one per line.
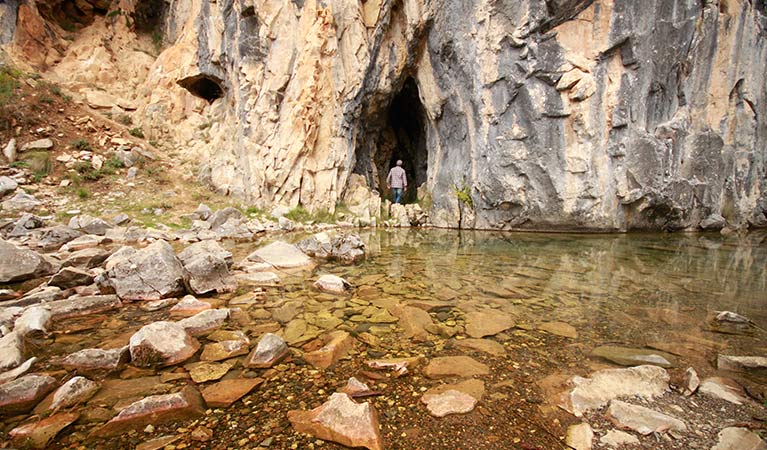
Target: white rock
(34,320)
(643,420)
(580,437)
(617,438)
(734,438)
(163,344)
(11,346)
(77,390)
(723,388)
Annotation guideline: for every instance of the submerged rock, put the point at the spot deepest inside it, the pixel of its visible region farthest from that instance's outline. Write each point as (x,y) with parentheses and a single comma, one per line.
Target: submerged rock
(455,366)
(19,264)
(162,344)
(338,344)
(487,323)
(270,350)
(219,351)
(154,410)
(189,306)
(332,284)
(449,402)
(341,420)
(226,392)
(633,356)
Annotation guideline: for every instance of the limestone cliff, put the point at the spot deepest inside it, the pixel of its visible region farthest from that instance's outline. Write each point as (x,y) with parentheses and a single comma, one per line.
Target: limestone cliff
(550,114)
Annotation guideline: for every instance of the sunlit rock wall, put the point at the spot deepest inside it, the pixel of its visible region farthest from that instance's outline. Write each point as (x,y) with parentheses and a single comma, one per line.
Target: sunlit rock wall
(555,114)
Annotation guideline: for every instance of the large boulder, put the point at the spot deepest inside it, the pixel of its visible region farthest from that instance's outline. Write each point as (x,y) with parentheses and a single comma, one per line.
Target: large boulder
(341,420)
(19,264)
(162,344)
(207,265)
(345,247)
(151,273)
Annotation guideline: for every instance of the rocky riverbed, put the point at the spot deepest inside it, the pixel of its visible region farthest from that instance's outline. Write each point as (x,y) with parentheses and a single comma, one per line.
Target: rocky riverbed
(237,333)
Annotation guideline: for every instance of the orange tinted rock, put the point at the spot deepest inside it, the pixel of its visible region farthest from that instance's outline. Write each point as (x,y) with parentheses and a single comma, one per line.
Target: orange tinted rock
(341,420)
(23,394)
(338,344)
(226,392)
(156,409)
(38,433)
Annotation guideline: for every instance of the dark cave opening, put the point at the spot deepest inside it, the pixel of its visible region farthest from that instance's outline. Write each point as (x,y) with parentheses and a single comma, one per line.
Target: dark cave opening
(395,132)
(204,86)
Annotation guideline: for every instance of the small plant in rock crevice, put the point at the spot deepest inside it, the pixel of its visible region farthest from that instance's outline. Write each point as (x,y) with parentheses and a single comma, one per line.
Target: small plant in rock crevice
(136,132)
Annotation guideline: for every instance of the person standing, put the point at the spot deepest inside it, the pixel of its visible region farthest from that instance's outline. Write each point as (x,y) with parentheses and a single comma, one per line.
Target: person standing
(397,181)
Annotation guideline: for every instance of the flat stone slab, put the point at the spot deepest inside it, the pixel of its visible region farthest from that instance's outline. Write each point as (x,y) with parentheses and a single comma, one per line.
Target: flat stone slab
(155,409)
(735,438)
(38,433)
(741,363)
(455,366)
(606,385)
(449,402)
(22,394)
(487,323)
(83,306)
(481,345)
(208,371)
(338,344)
(580,436)
(281,255)
(219,351)
(634,356)
(96,359)
(226,392)
(643,420)
(724,389)
(205,321)
(259,278)
(559,329)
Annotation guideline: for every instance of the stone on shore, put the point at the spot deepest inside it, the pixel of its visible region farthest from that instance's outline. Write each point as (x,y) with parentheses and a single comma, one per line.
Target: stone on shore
(449,402)
(617,438)
(18,371)
(76,390)
(21,201)
(580,436)
(7,185)
(634,356)
(207,265)
(741,363)
(87,258)
(156,409)
(19,264)
(89,225)
(223,393)
(340,420)
(83,306)
(33,322)
(487,323)
(162,344)
(338,344)
(736,438)
(724,389)
(455,366)
(91,359)
(151,273)
(53,238)
(69,277)
(189,306)
(642,420)
(281,255)
(205,321)
(270,350)
(38,433)
(22,394)
(11,350)
(608,384)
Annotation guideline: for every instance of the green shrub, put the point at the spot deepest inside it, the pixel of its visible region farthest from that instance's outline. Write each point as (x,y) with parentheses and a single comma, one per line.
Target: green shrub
(19,164)
(463,194)
(47,99)
(125,119)
(81,144)
(136,132)
(8,85)
(83,193)
(87,171)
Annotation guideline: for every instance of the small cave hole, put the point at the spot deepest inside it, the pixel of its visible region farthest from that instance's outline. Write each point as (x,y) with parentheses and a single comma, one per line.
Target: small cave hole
(204,86)
(395,132)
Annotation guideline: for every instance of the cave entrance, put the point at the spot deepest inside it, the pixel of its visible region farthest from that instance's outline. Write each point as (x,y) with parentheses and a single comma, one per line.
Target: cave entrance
(392,131)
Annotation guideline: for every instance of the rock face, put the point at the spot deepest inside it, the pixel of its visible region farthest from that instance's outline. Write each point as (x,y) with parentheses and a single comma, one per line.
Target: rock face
(341,420)
(151,273)
(18,264)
